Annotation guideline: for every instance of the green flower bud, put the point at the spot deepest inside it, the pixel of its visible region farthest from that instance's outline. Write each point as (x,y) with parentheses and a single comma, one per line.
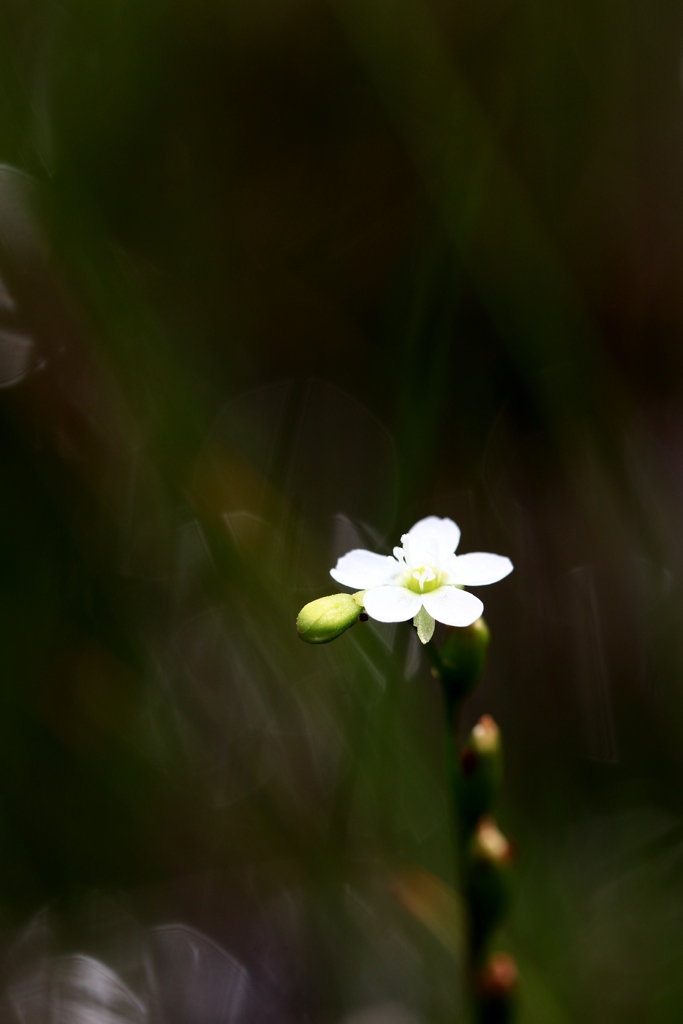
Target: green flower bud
(324,620)
(489,888)
(463,656)
(481,771)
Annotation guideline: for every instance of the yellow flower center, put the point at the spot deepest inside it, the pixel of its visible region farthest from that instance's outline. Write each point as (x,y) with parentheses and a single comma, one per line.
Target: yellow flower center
(422,580)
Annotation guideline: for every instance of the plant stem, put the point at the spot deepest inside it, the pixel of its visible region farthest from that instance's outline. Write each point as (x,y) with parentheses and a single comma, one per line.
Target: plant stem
(452,705)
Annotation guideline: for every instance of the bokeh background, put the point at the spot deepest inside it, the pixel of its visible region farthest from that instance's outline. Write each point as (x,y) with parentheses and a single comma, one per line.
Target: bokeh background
(278,278)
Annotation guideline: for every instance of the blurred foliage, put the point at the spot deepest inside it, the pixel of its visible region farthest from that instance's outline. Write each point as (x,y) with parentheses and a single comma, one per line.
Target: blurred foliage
(277,278)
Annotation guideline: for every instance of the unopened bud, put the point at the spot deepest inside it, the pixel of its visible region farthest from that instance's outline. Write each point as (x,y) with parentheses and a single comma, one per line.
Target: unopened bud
(324,620)
(485,738)
(497,989)
(463,656)
(488,879)
(481,771)
(490,844)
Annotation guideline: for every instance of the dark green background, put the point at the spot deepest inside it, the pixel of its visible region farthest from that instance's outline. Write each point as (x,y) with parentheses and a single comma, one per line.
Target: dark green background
(294,275)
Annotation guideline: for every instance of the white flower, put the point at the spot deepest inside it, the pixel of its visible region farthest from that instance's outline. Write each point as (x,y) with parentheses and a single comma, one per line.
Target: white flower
(423,579)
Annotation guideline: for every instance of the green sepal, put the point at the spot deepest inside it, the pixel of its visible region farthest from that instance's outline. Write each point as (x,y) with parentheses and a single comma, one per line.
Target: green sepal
(481,771)
(425,625)
(463,656)
(488,881)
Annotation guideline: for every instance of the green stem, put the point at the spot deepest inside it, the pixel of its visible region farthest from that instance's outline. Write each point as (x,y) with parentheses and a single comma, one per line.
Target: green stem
(452,706)
(435,658)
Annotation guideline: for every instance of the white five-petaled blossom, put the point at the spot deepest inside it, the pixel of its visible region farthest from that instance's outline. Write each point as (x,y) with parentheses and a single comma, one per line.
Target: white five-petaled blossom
(423,579)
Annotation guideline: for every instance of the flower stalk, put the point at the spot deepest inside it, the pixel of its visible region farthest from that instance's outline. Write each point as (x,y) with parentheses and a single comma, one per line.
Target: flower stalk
(483,854)
(424,581)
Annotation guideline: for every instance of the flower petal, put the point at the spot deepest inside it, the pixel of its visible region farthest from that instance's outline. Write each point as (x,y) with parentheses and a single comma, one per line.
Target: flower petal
(362,569)
(431,541)
(392,604)
(479,568)
(452,606)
